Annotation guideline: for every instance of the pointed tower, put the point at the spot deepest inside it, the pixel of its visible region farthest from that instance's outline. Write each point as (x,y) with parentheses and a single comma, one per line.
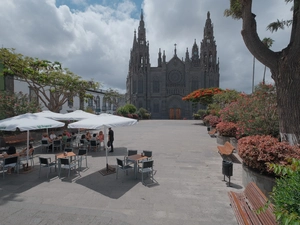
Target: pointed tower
(139,66)
(208,56)
(195,55)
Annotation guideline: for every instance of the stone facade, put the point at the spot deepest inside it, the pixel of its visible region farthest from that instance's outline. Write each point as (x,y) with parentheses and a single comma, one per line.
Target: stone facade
(160,89)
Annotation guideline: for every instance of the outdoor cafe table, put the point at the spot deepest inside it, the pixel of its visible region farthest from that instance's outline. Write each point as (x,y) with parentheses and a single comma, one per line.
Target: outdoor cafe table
(136,158)
(63,155)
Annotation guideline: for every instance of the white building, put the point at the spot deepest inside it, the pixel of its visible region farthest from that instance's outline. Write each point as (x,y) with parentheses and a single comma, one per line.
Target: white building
(99,104)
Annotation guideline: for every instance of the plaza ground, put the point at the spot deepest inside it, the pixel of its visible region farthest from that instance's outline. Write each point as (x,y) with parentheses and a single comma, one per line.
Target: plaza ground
(188,186)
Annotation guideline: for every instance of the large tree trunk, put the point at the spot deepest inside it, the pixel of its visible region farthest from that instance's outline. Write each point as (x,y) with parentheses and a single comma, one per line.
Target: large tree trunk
(287,82)
(285,69)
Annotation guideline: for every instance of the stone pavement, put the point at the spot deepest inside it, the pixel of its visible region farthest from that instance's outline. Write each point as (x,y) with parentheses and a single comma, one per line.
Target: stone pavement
(188,188)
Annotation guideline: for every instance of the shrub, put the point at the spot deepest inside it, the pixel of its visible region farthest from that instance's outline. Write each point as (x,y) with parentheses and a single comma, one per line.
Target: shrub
(196,116)
(227,129)
(285,194)
(256,151)
(135,116)
(130,108)
(202,113)
(122,111)
(211,120)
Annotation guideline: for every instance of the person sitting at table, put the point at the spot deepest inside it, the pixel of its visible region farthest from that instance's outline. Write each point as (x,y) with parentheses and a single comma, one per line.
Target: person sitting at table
(68,133)
(11,151)
(101,138)
(52,135)
(23,152)
(88,136)
(46,137)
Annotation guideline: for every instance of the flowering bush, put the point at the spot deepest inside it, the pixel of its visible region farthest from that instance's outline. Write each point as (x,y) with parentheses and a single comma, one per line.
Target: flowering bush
(211,120)
(256,151)
(203,95)
(254,114)
(227,129)
(16,104)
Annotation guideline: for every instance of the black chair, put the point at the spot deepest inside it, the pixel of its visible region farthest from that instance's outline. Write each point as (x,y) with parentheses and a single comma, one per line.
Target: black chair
(68,142)
(68,149)
(94,144)
(65,163)
(148,154)
(45,145)
(46,163)
(147,167)
(82,154)
(129,153)
(122,166)
(56,144)
(10,162)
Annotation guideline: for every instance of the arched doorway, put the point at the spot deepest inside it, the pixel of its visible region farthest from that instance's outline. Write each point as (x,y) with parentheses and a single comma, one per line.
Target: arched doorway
(175,108)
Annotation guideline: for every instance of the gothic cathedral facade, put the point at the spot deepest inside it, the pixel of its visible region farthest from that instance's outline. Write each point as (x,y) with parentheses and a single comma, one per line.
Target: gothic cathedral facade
(160,89)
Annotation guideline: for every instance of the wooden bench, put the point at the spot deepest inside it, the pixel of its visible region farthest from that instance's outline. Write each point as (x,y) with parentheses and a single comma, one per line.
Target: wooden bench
(250,206)
(213,132)
(226,149)
(15,139)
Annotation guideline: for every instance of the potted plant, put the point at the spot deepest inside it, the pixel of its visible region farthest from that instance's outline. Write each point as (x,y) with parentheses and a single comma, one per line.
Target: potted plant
(256,152)
(226,131)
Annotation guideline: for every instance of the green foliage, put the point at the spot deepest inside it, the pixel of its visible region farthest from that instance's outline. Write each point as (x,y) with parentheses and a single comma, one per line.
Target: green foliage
(202,113)
(16,104)
(286,193)
(112,97)
(196,116)
(220,100)
(43,76)
(130,108)
(143,113)
(122,111)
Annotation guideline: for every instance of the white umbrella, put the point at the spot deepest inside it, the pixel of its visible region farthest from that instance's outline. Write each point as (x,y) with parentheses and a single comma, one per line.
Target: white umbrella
(50,115)
(27,122)
(77,115)
(103,120)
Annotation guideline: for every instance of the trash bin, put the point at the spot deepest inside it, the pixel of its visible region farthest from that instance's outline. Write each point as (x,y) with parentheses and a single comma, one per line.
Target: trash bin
(208,128)
(227,168)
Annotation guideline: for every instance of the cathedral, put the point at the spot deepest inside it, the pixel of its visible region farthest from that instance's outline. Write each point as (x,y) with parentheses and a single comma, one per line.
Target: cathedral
(160,89)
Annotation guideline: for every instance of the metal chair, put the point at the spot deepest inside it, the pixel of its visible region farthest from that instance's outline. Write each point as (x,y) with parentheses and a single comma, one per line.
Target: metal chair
(68,142)
(147,167)
(10,162)
(23,159)
(94,144)
(83,143)
(65,163)
(56,144)
(82,154)
(68,149)
(45,145)
(122,166)
(129,153)
(46,163)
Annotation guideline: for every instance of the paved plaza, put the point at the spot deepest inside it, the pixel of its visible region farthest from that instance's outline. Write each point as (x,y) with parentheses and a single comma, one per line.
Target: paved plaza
(188,188)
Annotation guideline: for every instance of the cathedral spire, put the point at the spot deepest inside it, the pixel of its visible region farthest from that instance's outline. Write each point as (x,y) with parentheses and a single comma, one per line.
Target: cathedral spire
(142,30)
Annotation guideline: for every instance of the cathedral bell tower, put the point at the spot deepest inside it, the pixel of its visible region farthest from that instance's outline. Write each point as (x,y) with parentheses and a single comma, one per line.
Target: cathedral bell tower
(208,57)
(139,67)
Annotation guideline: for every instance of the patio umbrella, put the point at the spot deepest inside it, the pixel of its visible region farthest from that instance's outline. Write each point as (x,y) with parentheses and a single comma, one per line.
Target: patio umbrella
(103,120)
(77,115)
(27,122)
(50,115)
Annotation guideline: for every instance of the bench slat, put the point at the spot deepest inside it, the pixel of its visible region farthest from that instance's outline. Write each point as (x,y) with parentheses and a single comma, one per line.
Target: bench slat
(246,203)
(226,149)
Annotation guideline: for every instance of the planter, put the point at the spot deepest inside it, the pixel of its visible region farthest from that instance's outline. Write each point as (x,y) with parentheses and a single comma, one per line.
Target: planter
(222,139)
(265,183)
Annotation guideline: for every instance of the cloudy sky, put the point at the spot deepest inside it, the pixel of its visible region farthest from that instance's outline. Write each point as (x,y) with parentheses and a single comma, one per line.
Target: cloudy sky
(93,38)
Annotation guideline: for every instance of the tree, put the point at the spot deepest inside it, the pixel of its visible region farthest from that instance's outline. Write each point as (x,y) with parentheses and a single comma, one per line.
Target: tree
(44,76)
(112,97)
(284,65)
(16,104)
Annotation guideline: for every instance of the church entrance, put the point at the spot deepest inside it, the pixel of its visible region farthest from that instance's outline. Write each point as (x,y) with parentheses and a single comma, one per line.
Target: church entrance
(175,114)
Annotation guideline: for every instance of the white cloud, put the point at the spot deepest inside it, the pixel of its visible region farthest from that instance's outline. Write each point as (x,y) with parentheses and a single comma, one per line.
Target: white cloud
(95,42)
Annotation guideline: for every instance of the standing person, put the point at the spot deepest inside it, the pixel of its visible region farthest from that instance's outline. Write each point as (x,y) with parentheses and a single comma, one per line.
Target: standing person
(101,138)
(111,139)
